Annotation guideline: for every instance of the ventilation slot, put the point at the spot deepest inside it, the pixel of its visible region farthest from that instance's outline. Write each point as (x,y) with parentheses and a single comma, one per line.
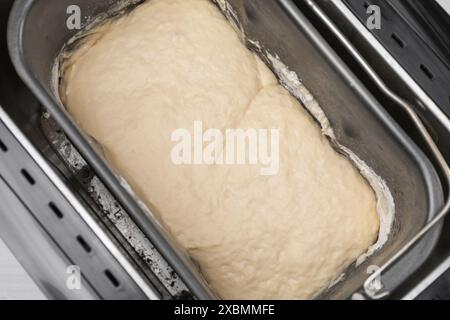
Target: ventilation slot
(56,210)
(427,72)
(84,244)
(398,40)
(28,177)
(3,146)
(112,278)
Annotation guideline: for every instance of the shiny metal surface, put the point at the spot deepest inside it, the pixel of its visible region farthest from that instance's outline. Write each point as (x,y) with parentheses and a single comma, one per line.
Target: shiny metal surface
(31,251)
(15,283)
(372,284)
(360,121)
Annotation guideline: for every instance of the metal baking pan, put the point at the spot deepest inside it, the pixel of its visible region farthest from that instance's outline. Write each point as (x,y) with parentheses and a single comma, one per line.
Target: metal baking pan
(37,32)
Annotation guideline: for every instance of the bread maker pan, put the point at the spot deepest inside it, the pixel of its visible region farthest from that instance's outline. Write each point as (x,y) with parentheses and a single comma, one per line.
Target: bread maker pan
(37,31)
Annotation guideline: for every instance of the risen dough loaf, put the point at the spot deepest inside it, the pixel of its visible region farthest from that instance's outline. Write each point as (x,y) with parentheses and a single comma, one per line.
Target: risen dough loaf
(172,62)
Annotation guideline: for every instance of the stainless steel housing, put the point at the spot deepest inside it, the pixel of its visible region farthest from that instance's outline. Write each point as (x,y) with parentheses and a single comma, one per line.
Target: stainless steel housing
(37,31)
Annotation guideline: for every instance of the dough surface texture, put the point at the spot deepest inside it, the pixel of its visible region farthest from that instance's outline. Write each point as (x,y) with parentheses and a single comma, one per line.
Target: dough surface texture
(169,63)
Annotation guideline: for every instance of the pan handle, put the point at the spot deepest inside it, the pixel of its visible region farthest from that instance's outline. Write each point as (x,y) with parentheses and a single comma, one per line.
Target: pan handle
(373,287)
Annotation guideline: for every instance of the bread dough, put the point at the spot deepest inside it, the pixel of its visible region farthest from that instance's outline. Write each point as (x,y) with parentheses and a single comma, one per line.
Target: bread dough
(169,63)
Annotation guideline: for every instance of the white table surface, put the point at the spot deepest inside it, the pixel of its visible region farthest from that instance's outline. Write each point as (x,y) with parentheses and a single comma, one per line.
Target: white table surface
(14,281)
(445,4)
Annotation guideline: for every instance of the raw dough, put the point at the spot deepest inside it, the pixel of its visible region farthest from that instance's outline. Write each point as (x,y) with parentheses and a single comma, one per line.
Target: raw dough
(172,62)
